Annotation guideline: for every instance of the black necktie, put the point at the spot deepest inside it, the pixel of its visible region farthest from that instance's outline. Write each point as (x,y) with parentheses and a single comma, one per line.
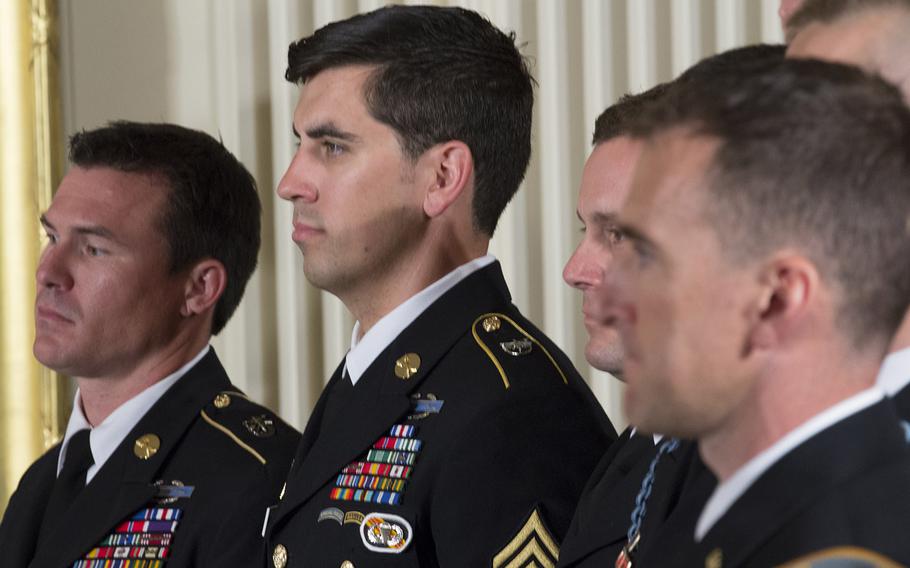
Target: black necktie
(71,480)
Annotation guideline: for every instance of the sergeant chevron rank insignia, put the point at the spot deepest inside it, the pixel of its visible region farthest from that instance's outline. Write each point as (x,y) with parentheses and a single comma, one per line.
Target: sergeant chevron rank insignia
(532,545)
(381,532)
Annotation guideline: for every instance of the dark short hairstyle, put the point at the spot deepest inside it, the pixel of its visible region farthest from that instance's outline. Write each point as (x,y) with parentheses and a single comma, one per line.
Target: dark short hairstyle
(441,74)
(212,208)
(618,118)
(734,60)
(814,156)
(827,11)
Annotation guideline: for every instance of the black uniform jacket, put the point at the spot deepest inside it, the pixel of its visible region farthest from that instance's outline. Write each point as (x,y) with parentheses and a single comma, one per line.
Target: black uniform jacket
(496,432)
(846,488)
(901,400)
(601,523)
(223,457)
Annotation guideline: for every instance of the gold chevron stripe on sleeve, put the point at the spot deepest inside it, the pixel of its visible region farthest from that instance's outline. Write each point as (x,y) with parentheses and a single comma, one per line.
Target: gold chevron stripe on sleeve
(533,545)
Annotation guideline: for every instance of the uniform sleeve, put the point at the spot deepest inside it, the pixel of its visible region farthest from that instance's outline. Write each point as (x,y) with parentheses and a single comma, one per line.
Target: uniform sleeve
(512,481)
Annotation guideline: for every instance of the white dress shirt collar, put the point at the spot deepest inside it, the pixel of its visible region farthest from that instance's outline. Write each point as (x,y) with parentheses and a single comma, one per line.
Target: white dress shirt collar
(657,437)
(365,350)
(105,437)
(726,493)
(895,372)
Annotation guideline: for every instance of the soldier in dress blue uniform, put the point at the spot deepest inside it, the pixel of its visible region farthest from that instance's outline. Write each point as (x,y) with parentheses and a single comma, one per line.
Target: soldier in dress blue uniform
(454,433)
(641,473)
(764,197)
(151,238)
(874,34)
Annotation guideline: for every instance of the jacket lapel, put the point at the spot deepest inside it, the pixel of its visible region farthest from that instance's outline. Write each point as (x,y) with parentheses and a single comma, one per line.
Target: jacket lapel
(380,397)
(124,483)
(25,511)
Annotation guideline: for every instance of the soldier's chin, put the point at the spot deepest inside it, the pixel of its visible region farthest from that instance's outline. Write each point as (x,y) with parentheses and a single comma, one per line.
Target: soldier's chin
(605,356)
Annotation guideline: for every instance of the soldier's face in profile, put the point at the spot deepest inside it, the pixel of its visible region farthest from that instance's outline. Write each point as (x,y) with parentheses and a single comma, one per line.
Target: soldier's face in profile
(356,208)
(677,300)
(106,297)
(605,184)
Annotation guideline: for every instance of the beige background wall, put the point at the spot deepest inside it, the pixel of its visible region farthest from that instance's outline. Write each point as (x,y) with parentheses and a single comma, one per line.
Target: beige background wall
(218,65)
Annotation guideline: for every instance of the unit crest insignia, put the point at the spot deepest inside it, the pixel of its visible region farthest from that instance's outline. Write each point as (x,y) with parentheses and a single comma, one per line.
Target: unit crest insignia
(261,426)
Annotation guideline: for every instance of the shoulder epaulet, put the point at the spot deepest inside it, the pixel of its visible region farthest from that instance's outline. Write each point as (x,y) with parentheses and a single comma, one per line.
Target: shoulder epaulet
(241,420)
(841,556)
(499,336)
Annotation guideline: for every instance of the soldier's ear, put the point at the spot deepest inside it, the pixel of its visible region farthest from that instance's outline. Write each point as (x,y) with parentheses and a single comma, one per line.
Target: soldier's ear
(451,170)
(789,290)
(204,285)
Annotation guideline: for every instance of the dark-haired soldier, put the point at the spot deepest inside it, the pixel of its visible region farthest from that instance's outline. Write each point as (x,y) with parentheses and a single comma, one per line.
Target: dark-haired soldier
(875,35)
(632,490)
(760,333)
(152,236)
(454,433)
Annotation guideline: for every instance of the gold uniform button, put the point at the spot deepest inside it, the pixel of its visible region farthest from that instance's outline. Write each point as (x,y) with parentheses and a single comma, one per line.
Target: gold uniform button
(347,564)
(223,400)
(279,556)
(715,559)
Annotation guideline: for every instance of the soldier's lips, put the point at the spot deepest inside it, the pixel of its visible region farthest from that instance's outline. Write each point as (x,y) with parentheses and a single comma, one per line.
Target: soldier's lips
(303,231)
(48,314)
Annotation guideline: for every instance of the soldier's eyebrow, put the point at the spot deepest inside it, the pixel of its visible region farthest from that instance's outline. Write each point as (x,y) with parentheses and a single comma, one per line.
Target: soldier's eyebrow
(631,233)
(330,130)
(96,230)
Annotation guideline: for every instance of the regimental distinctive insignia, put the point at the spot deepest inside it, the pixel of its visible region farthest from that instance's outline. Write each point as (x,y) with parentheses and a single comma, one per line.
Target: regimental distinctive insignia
(517,347)
(223,400)
(407,366)
(142,540)
(381,474)
(166,494)
(491,324)
(715,559)
(423,406)
(146,446)
(533,545)
(261,426)
(382,532)
(512,339)
(331,514)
